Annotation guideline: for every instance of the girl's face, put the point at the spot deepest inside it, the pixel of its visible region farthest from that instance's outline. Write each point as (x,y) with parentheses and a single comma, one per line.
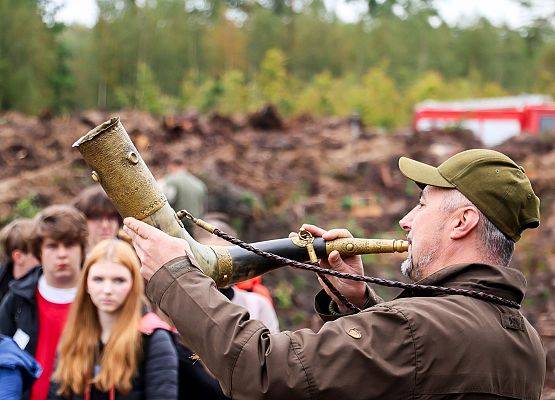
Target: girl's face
(109,284)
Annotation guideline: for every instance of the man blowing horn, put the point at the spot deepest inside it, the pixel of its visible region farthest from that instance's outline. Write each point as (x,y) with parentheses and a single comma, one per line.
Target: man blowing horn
(472,210)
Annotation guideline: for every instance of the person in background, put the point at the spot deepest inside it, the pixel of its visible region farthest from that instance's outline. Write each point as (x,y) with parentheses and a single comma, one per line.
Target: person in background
(18,370)
(35,309)
(103,220)
(16,257)
(108,349)
(183,190)
(258,301)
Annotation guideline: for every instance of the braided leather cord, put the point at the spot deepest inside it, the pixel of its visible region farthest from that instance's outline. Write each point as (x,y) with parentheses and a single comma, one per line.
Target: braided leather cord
(369,279)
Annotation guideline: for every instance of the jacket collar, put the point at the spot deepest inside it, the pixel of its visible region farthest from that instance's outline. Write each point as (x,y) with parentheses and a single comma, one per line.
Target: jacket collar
(505,282)
(26,286)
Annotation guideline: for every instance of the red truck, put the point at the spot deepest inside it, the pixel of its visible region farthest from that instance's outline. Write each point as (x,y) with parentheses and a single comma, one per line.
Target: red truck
(493,120)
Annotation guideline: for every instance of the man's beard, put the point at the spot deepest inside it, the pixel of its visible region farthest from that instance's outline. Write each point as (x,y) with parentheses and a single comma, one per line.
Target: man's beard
(406,266)
(416,271)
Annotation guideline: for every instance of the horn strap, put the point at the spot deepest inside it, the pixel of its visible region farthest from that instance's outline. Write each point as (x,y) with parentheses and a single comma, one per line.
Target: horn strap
(430,289)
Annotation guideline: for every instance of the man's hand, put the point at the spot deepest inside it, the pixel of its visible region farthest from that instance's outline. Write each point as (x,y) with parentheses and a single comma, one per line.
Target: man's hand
(154,247)
(354,291)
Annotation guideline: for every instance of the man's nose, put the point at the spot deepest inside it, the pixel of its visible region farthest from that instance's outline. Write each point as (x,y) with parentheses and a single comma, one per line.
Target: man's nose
(406,222)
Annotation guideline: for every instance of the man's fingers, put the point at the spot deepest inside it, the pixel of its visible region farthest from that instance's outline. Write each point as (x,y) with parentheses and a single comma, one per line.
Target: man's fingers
(132,235)
(315,230)
(327,235)
(336,234)
(136,240)
(336,262)
(139,228)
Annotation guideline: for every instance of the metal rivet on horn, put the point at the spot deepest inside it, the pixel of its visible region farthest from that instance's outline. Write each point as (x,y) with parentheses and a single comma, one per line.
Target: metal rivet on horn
(95,177)
(354,333)
(132,157)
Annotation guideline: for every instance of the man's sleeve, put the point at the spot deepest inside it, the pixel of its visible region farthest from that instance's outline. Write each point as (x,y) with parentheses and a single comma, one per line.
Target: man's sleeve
(367,355)
(329,311)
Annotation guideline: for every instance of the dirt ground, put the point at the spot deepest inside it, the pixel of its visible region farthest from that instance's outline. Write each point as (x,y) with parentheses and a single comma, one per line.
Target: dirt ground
(271,175)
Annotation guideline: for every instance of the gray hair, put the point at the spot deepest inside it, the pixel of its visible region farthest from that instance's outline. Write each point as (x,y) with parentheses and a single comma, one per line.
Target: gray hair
(498,247)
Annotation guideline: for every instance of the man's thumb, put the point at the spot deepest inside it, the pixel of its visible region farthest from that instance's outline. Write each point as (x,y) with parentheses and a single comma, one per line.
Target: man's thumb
(335,259)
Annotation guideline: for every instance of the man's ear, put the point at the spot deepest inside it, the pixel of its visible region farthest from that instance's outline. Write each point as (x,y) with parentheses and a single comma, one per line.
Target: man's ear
(466,221)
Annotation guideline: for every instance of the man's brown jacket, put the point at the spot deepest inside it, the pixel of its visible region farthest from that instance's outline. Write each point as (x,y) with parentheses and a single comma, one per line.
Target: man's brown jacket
(414,347)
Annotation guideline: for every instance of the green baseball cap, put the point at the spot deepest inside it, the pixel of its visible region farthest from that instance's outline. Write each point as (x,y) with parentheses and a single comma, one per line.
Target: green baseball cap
(493,182)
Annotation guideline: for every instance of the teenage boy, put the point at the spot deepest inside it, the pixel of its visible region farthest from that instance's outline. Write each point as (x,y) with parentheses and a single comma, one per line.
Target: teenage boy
(103,219)
(35,309)
(16,256)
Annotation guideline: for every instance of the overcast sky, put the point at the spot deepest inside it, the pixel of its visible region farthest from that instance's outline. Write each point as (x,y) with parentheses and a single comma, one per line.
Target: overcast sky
(452,11)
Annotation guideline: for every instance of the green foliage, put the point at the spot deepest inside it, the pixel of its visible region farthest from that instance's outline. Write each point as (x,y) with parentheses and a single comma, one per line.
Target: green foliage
(272,81)
(235,93)
(546,70)
(379,102)
(347,203)
(248,199)
(148,95)
(27,57)
(299,283)
(166,56)
(318,98)
(188,89)
(26,207)
(283,293)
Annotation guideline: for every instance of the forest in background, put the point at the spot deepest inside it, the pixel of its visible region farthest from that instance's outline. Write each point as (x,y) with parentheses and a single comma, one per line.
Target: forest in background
(168,56)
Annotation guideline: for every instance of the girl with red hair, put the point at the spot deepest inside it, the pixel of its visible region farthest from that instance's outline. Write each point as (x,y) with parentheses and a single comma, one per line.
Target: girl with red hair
(103,351)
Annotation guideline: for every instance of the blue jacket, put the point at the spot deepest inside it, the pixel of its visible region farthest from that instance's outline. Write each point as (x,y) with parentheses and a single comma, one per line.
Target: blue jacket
(18,369)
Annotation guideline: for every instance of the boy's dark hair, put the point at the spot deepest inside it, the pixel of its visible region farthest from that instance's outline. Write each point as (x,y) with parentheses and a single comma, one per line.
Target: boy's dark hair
(17,235)
(62,223)
(94,203)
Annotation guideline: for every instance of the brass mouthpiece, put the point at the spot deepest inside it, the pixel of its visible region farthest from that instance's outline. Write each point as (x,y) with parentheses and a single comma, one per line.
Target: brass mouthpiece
(352,246)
